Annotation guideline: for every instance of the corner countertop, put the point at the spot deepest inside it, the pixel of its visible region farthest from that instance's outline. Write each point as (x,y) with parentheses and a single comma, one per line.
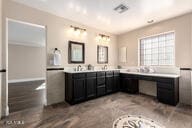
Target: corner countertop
(152,74)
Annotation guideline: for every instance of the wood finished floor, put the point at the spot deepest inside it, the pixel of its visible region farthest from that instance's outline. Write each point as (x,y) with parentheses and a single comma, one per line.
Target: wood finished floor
(25,95)
(101,112)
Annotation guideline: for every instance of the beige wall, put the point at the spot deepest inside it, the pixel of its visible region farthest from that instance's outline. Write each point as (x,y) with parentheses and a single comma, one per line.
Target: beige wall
(0,55)
(26,62)
(58,32)
(182,27)
(57,37)
(0,33)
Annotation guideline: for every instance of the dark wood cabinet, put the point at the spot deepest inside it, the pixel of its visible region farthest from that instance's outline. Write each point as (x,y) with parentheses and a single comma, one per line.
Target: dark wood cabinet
(101,84)
(79,90)
(168,90)
(75,87)
(129,85)
(109,84)
(91,87)
(101,91)
(165,96)
(116,84)
(116,81)
(80,87)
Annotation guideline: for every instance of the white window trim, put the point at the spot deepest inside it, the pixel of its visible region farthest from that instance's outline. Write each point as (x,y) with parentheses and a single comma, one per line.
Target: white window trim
(158,34)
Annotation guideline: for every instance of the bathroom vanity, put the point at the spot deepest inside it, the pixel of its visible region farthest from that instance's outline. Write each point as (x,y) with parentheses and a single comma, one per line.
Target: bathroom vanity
(167,85)
(85,85)
(82,86)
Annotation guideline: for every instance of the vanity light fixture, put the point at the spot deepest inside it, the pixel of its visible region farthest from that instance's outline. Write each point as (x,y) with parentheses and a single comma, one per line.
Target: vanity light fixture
(77,31)
(103,38)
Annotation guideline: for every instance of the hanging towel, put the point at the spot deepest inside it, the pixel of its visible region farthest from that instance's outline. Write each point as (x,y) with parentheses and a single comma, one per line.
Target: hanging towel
(57,58)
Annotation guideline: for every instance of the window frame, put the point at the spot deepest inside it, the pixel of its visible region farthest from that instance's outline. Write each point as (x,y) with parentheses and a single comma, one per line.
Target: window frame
(151,36)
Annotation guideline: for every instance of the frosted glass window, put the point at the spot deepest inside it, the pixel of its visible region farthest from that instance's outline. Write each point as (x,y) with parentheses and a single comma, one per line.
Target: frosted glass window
(158,50)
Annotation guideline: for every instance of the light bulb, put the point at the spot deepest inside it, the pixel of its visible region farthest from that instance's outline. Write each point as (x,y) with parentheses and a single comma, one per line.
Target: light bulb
(108,39)
(84,33)
(77,32)
(71,29)
(104,38)
(99,37)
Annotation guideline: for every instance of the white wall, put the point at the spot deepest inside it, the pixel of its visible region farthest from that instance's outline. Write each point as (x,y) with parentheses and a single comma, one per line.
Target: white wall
(26,62)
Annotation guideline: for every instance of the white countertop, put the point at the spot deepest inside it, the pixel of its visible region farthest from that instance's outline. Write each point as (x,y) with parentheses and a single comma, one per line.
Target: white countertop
(71,71)
(126,72)
(152,74)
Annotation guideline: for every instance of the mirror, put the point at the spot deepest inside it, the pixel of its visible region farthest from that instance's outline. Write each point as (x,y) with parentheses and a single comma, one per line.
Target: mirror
(76,52)
(102,54)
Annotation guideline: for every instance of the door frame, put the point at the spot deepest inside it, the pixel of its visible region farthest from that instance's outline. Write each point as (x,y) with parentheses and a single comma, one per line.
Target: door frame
(5,102)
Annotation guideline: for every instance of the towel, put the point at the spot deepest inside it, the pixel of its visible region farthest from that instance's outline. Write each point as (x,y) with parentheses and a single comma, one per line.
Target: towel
(57,59)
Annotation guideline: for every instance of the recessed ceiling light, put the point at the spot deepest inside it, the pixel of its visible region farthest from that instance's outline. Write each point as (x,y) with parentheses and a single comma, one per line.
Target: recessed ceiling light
(150,21)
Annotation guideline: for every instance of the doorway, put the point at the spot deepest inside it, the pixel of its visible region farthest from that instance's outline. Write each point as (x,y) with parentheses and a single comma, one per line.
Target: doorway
(26,64)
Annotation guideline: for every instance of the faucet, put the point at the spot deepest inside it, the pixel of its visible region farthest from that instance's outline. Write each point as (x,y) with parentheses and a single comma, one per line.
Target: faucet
(79,68)
(105,67)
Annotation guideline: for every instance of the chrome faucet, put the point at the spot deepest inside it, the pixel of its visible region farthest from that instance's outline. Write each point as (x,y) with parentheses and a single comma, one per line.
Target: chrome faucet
(79,68)
(105,67)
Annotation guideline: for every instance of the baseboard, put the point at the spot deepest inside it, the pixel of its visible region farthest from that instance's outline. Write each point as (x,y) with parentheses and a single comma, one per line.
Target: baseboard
(25,80)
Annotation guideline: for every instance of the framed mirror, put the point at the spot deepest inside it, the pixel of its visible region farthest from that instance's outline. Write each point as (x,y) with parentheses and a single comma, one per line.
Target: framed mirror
(76,52)
(102,54)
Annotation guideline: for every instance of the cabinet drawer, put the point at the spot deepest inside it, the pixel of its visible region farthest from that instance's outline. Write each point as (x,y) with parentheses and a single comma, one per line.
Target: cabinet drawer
(101,91)
(116,73)
(109,73)
(79,75)
(165,85)
(93,74)
(148,78)
(128,76)
(165,96)
(165,80)
(100,74)
(100,80)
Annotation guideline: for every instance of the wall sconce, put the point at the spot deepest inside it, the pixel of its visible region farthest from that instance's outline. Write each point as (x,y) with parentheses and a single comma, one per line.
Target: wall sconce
(103,38)
(77,31)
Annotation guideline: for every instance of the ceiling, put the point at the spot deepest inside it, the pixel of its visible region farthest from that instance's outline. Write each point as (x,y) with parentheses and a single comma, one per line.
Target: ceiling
(26,34)
(100,14)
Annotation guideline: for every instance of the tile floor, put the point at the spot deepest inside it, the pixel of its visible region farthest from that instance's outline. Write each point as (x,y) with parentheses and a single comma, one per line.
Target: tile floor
(101,112)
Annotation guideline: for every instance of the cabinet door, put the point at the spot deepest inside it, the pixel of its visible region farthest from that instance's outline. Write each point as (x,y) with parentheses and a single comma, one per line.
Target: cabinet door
(123,85)
(79,90)
(165,96)
(109,84)
(91,88)
(116,83)
(100,81)
(129,85)
(101,91)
